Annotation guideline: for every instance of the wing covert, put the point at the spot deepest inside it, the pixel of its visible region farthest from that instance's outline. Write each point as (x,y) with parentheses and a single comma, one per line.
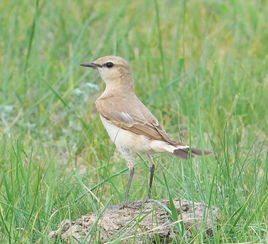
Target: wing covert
(131,114)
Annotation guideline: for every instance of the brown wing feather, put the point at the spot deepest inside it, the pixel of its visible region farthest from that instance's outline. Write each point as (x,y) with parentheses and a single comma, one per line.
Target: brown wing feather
(131,114)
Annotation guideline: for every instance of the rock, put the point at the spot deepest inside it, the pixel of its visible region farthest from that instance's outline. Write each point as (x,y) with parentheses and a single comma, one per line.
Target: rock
(140,221)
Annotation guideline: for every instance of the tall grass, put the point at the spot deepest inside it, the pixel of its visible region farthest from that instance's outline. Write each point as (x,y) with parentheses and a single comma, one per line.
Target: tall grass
(201,67)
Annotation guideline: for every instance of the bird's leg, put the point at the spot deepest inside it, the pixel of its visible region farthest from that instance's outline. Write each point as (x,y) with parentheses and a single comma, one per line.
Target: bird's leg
(130,177)
(152,168)
(127,154)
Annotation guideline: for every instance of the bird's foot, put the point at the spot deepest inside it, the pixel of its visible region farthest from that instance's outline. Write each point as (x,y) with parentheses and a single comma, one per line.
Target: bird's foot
(148,199)
(123,205)
(132,205)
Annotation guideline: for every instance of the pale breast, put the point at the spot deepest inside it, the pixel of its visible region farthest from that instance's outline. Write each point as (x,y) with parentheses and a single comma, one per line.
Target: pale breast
(127,139)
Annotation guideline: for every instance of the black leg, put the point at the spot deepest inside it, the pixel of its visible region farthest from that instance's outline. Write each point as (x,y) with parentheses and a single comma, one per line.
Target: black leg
(152,168)
(131,173)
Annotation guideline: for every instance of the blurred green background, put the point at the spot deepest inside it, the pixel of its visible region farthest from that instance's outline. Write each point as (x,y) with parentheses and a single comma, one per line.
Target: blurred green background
(199,65)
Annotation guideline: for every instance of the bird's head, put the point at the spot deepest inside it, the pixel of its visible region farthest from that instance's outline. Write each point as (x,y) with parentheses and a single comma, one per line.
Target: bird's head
(114,70)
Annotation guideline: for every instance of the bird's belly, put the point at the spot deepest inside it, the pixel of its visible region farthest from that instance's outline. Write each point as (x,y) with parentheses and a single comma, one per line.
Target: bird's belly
(126,139)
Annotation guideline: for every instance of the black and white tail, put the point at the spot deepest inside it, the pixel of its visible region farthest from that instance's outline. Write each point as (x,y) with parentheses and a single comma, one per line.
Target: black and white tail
(187,152)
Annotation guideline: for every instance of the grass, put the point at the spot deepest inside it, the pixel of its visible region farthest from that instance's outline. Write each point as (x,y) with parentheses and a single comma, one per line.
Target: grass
(200,66)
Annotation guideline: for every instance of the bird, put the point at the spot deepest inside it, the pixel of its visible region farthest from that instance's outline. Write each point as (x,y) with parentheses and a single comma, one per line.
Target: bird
(129,123)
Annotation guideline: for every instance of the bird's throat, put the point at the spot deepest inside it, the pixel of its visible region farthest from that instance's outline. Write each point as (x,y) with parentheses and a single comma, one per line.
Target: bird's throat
(120,86)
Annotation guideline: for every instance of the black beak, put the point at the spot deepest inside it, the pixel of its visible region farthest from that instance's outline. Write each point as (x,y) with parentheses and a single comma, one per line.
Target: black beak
(91,65)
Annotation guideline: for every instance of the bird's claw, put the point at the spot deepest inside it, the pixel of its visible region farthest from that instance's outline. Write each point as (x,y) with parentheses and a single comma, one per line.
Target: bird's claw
(148,199)
(132,205)
(123,205)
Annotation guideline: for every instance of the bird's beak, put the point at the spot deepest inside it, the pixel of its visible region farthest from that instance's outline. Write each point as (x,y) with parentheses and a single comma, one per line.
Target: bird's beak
(91,65)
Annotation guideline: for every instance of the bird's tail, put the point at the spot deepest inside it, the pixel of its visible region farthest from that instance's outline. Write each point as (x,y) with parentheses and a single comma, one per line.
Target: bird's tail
(187,152)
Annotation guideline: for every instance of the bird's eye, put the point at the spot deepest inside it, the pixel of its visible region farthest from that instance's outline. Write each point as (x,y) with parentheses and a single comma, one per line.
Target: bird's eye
(109,65)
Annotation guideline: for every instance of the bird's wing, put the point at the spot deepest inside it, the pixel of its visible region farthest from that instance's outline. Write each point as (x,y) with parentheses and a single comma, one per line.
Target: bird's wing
(131,114)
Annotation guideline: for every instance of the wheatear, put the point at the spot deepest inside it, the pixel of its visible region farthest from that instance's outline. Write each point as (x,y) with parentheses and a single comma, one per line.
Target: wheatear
(129,123)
